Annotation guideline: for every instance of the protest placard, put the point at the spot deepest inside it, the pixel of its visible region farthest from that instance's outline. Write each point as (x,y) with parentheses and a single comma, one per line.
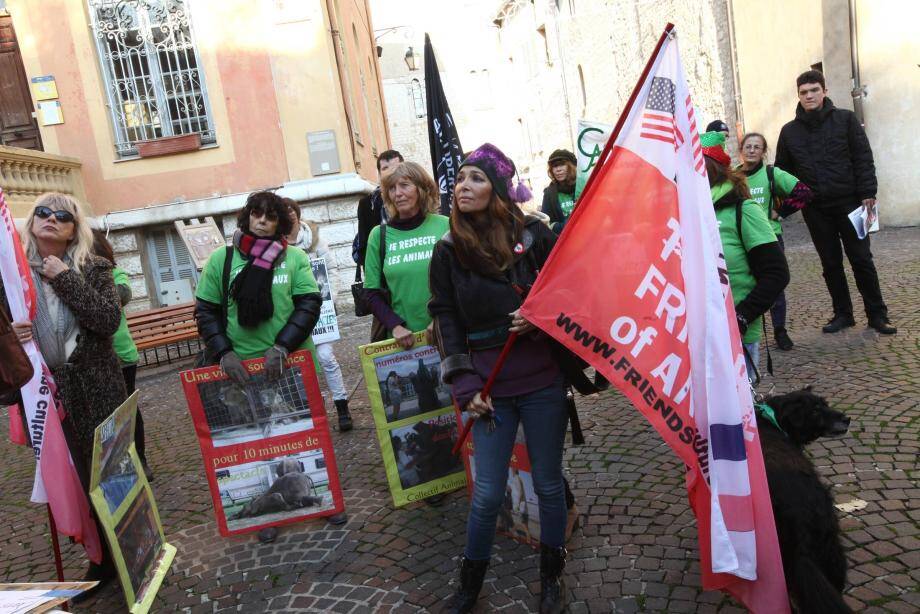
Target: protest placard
(415,419)
(127,510)
(267,452)
(519,516)
(327,326)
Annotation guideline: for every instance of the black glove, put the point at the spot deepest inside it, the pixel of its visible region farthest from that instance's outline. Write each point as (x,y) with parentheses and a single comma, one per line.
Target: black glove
(231,364)
(742,324)
(274,362)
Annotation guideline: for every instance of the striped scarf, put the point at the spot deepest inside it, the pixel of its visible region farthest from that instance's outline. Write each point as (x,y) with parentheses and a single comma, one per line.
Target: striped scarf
(252,287)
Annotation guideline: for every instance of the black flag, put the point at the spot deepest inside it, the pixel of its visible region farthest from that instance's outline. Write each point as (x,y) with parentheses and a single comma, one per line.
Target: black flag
(446,152)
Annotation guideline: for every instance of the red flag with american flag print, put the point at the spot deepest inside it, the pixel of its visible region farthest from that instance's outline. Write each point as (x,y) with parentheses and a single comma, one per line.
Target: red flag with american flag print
(656,317)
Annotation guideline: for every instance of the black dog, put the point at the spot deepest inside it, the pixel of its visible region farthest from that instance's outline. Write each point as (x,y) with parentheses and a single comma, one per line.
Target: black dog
(806,521)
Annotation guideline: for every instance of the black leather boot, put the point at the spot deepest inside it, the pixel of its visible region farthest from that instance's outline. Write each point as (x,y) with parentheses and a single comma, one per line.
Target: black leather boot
(472,573)
(341,408)
(552,585)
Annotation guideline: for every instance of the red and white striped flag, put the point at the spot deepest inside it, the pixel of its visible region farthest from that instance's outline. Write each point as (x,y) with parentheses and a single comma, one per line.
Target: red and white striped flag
(56,480)
(659,322)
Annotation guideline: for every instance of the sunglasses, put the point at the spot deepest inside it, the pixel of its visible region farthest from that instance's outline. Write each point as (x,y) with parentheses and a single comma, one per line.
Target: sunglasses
(62,216)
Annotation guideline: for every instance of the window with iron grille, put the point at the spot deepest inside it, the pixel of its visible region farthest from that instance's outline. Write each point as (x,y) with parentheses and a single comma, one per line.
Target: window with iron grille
(153,76)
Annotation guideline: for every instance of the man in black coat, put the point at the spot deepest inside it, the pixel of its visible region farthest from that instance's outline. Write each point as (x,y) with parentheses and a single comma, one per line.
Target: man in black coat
(827,149)
(370,207)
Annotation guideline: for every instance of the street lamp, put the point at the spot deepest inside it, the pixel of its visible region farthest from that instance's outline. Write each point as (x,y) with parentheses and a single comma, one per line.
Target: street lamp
(410,59)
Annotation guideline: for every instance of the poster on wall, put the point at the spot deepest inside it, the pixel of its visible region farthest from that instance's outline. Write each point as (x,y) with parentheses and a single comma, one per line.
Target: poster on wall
(327,326)
(519,516)
(267,452)
(127,510)
(201,238)
(415,420)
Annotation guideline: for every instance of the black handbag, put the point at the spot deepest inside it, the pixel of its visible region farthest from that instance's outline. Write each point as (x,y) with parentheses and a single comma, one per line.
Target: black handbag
(359,293)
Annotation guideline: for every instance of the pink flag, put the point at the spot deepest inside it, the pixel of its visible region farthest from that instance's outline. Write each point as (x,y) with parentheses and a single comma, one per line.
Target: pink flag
(56,480)
(637,286)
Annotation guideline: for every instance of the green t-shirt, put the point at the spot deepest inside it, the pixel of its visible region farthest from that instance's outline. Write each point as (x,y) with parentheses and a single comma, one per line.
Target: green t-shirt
(121,340)
(755,228)
(567,204)
(293,277)
(408,253)
(783,184)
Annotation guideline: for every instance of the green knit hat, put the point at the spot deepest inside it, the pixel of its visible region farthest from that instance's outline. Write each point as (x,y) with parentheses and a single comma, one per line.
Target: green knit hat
(713,144)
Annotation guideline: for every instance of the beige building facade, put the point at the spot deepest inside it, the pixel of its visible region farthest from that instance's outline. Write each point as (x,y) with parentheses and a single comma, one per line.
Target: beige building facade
(177,109)
(863,45)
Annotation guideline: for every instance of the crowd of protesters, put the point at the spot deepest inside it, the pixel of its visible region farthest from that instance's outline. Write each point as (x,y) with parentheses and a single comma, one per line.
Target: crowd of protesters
(463,280)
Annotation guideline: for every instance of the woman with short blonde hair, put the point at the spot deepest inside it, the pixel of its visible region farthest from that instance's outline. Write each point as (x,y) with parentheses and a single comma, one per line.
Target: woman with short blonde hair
(400,266)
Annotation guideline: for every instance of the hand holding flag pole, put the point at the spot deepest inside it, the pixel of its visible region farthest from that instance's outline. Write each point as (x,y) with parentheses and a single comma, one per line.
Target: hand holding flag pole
(486,390)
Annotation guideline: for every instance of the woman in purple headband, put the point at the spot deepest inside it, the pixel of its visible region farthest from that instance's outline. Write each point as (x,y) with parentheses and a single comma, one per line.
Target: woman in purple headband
(480,274)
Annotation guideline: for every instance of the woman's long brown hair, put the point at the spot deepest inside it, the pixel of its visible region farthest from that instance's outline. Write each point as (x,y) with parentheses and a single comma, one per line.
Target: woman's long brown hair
(484,241)
(719,173)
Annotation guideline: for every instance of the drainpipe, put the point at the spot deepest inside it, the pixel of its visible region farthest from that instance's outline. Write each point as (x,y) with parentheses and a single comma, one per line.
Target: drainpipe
(340,69)
(859,90)
(736,79)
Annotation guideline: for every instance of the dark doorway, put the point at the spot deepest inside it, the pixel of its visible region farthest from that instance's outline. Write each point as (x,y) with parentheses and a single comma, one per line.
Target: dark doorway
(17,126)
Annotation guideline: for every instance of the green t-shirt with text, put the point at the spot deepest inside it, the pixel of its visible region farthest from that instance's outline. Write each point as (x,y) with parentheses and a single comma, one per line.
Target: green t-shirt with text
(293,277)
(408,253)
(759,183)
(121,341)
(755,228)
(567,204)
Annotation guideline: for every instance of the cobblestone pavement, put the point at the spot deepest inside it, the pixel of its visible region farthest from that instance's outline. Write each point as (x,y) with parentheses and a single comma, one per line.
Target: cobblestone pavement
(637,549)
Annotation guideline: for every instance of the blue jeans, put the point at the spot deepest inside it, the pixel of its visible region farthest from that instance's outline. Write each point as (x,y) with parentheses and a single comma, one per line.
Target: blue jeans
(544,416)
(754,350)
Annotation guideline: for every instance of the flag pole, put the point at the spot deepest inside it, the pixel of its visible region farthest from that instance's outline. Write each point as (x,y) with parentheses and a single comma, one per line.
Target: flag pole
(604,154)
(56,546)
(486,390)
(629,105)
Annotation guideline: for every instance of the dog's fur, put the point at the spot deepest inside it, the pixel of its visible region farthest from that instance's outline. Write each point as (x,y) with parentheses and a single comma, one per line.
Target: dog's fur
(806,521)
(293,489)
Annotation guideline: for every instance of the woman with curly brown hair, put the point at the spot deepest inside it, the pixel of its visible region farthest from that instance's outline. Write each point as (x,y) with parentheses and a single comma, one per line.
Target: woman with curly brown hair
(480,274)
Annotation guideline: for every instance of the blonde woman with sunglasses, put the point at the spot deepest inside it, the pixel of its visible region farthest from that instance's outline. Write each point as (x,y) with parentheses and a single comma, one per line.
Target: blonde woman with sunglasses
(77,313)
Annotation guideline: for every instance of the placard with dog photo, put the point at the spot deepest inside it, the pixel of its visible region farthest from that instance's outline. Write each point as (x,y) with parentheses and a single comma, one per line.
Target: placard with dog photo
(327,326)
(127,511)
(519,516)
(266,445)
(415,420)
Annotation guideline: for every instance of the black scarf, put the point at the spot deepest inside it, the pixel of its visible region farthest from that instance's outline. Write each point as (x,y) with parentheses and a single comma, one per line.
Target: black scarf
(252,287)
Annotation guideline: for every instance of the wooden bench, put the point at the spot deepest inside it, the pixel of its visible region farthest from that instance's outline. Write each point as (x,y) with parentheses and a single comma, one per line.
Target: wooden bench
(166,327)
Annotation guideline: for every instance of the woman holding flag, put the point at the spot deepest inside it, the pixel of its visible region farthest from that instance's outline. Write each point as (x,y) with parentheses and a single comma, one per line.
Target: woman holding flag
(757,269)
(78,311)
(480,273)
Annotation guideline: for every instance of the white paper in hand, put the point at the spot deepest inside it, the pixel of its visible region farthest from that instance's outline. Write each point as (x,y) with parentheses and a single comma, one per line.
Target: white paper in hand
(859,218)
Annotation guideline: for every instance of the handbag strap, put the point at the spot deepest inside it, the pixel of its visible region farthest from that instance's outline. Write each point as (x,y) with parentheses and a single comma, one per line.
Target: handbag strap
(358,274)
(225,286)
(383,253)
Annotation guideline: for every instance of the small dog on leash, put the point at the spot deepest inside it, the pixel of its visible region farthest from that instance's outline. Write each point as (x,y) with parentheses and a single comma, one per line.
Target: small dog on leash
(806,522)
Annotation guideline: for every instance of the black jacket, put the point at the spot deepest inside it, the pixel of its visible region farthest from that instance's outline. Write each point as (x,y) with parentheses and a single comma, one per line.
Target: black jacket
(768,266)
(828,150)
(552,208)
(212,327)
(452,285)
(370,211)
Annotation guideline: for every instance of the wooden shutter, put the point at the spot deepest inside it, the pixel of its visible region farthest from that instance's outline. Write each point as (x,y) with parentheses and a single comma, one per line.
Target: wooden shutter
(169,258)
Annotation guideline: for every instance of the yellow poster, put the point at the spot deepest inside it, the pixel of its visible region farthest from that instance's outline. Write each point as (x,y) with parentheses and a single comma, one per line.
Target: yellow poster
(414,415)
(127,510)
(44,88)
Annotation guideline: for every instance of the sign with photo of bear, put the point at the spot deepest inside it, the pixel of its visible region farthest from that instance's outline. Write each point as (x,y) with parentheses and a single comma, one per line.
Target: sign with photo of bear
(266,446)
(327,326)
(414,415)
(519,516)
(127,510)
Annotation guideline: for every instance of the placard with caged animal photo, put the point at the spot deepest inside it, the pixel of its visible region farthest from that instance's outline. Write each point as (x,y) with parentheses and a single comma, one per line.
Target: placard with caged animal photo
(266,446)
(413,413)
